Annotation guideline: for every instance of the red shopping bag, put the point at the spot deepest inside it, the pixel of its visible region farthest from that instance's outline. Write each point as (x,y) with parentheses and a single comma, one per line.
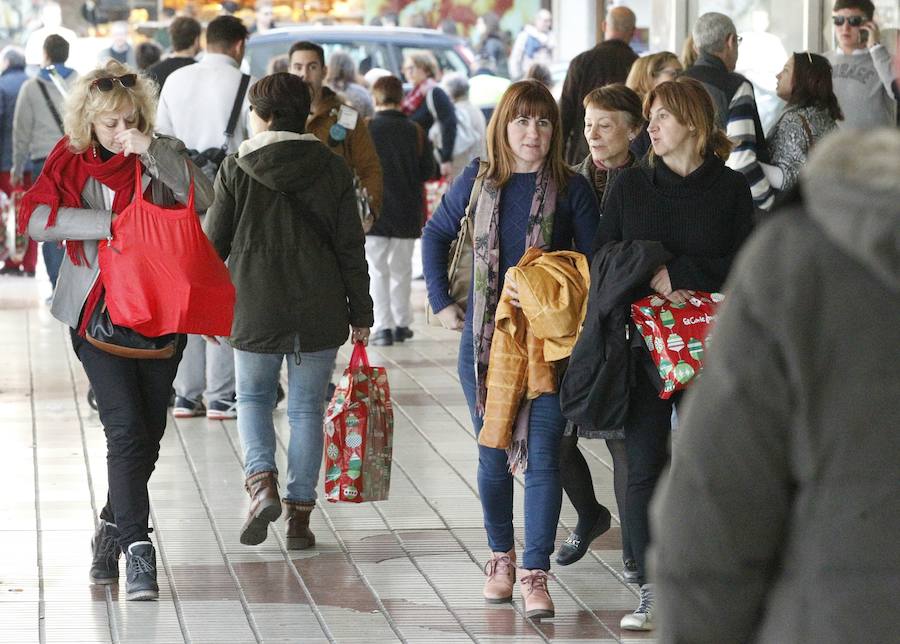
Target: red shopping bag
(13,244)
(434,192)
(676,335)
(359,433)
(162,274)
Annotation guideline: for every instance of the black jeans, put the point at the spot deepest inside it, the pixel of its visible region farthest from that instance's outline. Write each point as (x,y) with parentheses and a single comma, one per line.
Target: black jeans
(648,427)
(132,400)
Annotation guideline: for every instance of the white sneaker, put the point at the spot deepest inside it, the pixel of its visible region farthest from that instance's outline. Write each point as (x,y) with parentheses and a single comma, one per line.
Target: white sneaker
(642,618)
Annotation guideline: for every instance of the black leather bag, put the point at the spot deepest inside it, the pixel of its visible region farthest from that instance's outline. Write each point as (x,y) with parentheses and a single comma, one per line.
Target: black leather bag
(124,342)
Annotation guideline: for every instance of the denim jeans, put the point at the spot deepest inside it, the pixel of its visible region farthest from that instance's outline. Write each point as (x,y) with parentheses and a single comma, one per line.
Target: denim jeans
(256,379)
(543,487)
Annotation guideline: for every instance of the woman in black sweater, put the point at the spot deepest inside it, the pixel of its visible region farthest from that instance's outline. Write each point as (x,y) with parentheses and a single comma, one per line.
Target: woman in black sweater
(701,211)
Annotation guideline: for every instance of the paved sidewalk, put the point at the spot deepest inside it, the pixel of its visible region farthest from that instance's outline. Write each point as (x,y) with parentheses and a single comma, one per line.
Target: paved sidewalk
(407,569)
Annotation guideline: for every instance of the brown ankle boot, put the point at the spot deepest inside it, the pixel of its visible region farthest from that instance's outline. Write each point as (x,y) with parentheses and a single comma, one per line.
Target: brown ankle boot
(533,586)
(501,577)
(265,507)
(299,536)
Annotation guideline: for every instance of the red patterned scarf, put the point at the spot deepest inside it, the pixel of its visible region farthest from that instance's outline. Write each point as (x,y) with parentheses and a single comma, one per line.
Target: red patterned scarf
(414,99)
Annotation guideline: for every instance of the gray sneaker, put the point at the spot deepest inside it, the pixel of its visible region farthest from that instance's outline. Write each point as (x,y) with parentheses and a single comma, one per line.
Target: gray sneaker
(140,572)
(642,618)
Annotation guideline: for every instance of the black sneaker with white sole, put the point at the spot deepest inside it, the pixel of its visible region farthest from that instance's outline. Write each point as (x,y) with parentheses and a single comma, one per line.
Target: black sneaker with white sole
(140,572)
(106,551)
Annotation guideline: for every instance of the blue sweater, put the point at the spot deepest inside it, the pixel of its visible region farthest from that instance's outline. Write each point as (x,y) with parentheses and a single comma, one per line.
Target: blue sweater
(575,224)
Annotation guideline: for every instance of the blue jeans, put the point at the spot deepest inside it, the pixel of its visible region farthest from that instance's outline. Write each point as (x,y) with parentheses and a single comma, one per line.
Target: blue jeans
(256,380)
(53,252)
(543,486)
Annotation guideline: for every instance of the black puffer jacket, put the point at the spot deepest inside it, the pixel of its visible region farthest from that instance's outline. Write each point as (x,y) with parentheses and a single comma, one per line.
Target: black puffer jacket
(285,218)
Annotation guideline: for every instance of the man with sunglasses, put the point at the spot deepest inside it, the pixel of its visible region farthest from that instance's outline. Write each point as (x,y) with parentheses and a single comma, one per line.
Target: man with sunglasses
(861,67)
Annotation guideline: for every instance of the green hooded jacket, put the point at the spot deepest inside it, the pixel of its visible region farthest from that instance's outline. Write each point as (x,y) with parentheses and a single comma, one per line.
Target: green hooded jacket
(285,218)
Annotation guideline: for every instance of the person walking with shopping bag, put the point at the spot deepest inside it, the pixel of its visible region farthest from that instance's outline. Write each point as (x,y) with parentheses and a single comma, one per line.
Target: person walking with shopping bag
(522,196)
(88,180)
(285,217)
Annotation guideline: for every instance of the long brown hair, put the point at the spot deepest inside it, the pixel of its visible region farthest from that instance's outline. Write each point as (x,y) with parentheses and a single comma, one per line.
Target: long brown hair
(524,98)
(811,85)
(691,105)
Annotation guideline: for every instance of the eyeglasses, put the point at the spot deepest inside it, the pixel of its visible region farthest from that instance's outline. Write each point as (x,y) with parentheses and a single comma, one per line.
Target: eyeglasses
(106,84)
(853,21)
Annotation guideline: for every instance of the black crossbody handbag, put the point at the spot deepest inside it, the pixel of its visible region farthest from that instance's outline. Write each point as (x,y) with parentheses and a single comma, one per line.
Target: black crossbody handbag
(124,342)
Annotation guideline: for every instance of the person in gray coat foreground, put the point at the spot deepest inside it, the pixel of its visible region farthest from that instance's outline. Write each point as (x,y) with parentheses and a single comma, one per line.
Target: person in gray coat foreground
(778,521)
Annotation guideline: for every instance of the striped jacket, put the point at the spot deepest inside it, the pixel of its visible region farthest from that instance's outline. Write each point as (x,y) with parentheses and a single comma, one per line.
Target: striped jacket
(737,115)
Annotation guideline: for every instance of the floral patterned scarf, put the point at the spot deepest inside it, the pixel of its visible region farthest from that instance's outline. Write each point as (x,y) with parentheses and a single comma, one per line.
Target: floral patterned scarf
(487,263)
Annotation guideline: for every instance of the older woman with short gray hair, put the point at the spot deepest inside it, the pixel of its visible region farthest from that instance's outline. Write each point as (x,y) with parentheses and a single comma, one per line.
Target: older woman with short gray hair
(469,118)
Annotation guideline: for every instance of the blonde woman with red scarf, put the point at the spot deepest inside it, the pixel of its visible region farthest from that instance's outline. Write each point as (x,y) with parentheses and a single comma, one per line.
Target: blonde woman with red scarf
(421,69)
(87,179)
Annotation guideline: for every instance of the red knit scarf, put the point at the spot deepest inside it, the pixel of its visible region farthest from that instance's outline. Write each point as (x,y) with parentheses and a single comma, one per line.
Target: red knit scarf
(62,181)
(414,99)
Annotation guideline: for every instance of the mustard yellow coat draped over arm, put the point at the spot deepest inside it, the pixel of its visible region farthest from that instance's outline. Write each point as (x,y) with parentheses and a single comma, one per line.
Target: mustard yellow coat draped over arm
(553,289)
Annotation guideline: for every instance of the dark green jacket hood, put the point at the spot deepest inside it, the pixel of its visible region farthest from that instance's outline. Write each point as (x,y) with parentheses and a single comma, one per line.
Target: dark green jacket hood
(285,218)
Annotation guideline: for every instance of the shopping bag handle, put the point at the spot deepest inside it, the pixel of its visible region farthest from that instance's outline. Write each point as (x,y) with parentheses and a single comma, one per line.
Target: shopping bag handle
(359,357)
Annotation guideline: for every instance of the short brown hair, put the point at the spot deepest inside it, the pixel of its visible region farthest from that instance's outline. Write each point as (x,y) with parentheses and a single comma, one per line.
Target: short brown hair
(617,98)
(183,32)
(524,98)
(424,60)
(866,6)
(691,105)
(811,85)
(282,99)
(387,90)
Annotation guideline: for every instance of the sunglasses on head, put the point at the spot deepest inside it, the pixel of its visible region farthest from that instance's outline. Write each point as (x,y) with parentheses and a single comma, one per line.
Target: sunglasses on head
(853,21)
(106,84)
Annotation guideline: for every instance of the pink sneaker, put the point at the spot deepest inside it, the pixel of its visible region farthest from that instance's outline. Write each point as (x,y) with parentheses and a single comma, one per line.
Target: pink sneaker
(501,577)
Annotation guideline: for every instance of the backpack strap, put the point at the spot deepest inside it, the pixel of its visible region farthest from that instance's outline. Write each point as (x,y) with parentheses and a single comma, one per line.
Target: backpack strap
(429,101)
(51,107)
(236,109)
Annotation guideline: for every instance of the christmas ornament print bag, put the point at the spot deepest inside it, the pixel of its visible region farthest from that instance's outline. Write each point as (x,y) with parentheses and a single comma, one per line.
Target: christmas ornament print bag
(359,432)
(676,336)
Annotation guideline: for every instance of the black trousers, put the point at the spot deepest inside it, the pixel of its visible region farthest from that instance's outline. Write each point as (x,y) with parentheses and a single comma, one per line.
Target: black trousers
(648,428)
(132,400)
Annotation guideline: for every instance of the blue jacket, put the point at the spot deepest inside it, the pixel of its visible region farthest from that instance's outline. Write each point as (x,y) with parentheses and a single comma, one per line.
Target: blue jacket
(10,83)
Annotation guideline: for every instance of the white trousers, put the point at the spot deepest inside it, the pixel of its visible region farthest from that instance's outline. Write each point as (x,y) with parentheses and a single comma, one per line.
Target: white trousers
(390,274)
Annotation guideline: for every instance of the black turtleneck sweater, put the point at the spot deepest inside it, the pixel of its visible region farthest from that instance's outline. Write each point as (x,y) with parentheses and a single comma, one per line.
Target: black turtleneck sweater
(702,218)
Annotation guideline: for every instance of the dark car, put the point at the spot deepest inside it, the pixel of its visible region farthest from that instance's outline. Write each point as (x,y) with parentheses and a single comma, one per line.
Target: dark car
(368,46)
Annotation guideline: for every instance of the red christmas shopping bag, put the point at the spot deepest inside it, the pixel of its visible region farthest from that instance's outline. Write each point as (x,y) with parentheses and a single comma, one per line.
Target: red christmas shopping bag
(676,335)
(359,433)
(162,274)
(434,192)
(12,244)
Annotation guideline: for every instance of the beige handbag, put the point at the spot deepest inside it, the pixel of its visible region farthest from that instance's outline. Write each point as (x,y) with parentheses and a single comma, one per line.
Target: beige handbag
(461,259)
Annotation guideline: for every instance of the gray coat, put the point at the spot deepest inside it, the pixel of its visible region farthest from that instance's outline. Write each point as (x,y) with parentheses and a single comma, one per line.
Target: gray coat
(779,519)
(170,180)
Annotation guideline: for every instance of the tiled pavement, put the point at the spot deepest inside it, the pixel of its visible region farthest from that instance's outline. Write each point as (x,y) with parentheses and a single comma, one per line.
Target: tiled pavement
(407,569)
